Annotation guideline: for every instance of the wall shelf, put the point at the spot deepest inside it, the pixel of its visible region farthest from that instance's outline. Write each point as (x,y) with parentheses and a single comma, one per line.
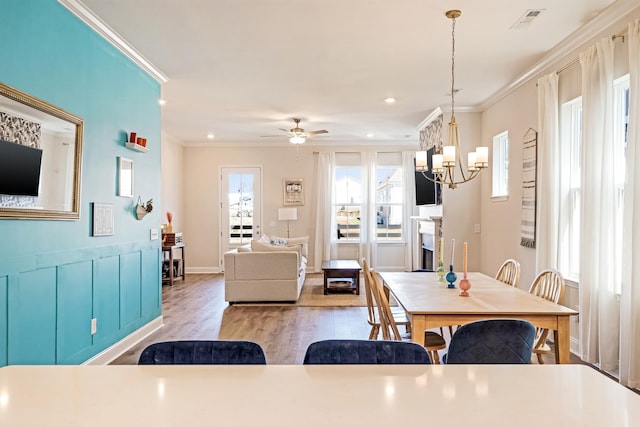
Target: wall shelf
(136,147)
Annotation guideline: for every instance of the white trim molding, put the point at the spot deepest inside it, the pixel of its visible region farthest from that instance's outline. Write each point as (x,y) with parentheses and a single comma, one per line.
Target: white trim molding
(110,354)
(109,34)
(618,10)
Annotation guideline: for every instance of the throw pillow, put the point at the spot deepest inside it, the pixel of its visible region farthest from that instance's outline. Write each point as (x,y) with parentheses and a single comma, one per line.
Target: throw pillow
(265,239)
(244,249)
(293,241)
(279,242)
(261,247)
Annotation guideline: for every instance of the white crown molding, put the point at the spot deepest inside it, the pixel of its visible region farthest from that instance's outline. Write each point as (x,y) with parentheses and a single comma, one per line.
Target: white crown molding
(612,14)
(99,26)
(433,115)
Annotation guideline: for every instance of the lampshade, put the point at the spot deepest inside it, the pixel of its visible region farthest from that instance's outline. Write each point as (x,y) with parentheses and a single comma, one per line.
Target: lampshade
(287,214)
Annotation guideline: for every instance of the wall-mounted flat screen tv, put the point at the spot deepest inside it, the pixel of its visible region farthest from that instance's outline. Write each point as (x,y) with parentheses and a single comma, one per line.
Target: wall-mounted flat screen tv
(427,192)
(19,169)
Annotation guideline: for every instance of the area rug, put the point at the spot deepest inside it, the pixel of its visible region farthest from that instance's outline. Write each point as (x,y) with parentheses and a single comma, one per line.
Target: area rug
(312,295)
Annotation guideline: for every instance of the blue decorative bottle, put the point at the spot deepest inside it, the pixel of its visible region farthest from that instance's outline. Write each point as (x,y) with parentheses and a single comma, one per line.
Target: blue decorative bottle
(451,278)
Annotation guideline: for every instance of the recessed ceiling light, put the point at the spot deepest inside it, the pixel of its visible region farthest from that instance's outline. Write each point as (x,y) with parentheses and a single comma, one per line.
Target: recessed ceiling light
(370,135)
(161,101)
(390,100)
(210,135)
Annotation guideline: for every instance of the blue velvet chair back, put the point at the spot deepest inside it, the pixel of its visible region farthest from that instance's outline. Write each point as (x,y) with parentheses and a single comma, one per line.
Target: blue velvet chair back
(203,353)
(492,341)
(364,352)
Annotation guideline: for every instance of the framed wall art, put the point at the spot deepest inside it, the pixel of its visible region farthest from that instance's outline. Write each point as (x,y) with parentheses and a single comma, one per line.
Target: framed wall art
(102,219)
(293,192)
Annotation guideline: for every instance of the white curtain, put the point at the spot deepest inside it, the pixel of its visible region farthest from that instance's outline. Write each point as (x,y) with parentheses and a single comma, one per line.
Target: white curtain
(368,223)
(324,225)
(599,309)
(630,297)
(408,177)
(548,192)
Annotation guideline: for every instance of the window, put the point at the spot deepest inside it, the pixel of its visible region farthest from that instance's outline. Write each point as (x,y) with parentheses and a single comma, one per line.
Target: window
(571,147)
(500,165)
(347,196)
(353,202)
(389,203)
(620,126)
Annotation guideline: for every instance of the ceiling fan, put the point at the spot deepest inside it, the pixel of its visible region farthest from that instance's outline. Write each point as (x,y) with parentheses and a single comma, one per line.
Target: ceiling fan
(298,135)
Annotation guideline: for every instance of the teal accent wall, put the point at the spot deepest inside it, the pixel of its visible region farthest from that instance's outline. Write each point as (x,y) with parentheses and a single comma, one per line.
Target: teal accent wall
(54,276)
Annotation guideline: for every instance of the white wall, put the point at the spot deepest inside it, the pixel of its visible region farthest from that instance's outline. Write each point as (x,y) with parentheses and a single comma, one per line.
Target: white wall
(515,113)
(202,195)
(461,206)
(172,194)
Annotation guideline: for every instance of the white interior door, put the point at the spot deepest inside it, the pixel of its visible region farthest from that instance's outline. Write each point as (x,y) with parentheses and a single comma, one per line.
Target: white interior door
(240,206)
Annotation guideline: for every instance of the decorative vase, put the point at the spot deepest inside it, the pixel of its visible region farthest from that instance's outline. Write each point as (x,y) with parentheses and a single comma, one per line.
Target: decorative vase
(451,278)
(465,285)
(440,272)
(169,228)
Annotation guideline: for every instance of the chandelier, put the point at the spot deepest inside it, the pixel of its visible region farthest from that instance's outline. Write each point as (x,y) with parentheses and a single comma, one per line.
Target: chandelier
(443,165)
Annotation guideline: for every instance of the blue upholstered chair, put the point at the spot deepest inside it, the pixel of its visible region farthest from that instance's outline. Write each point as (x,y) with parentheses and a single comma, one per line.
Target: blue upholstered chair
(364,352)
(492,341)
(203,353)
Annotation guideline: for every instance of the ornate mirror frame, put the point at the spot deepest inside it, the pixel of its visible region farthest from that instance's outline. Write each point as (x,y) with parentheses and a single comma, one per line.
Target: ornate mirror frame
(17,107)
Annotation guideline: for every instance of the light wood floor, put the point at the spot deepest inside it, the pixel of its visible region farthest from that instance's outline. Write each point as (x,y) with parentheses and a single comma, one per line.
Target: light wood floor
(195,309)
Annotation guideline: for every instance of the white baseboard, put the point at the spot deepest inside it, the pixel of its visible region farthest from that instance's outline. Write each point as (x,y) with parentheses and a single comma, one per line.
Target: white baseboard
(202,270)
(110,354)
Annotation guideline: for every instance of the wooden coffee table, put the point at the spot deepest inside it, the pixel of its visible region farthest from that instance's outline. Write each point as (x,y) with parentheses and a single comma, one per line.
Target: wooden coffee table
(341,269)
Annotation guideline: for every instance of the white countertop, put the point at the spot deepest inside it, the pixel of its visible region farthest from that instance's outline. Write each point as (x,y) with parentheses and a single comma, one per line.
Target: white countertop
(295,395)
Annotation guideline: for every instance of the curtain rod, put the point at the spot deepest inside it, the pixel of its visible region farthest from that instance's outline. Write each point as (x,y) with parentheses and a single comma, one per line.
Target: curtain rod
(618,35)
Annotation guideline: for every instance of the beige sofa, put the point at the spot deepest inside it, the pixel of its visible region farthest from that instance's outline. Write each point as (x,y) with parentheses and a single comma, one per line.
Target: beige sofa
(265,272)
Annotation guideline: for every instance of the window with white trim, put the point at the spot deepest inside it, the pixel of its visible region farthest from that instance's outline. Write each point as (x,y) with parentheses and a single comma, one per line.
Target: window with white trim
(347,202)
(500,165)
(570,158)
(351,202)
(620,126)
(389,195)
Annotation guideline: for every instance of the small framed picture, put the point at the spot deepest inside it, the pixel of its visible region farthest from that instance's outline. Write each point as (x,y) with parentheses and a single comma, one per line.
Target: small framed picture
(102,219)
(293,192)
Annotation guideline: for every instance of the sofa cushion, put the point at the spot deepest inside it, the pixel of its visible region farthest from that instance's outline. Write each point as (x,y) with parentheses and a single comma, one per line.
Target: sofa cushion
(256,246)
(293,241)
(246,248)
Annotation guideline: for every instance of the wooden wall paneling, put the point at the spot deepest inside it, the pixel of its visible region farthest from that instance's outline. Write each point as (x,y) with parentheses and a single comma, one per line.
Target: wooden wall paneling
(106,301)
(32,317)
(74,312)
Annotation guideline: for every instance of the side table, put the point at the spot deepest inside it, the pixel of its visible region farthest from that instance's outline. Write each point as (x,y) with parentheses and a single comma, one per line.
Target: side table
(341,269)
(167,256)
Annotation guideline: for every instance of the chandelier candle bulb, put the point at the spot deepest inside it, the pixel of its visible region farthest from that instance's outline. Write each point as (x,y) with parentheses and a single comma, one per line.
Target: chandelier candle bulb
(437,163)
(482,157)
(449,155)
(471,163)
(421,161)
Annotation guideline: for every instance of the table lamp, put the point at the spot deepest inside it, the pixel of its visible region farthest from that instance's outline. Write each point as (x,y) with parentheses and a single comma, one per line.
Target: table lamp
(288,214)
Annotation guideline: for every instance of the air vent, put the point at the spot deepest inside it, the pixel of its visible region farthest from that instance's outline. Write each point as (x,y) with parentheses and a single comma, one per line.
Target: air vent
(527,18)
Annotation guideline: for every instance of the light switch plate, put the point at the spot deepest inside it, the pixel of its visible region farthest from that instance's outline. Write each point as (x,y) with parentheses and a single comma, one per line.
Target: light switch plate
(154,234)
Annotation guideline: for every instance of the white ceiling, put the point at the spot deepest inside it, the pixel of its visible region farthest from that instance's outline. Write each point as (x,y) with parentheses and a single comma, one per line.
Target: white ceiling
(243,68)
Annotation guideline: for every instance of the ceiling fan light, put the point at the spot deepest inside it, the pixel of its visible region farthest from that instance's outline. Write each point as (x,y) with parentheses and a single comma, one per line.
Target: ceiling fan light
(297,139)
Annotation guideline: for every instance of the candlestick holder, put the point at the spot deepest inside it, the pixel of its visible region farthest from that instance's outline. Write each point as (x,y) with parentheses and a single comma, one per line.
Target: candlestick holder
(451,278)
(440,271)
(465,285)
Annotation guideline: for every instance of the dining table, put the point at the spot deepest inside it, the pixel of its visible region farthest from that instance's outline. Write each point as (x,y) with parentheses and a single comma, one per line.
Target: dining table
(313,395)
(432,304)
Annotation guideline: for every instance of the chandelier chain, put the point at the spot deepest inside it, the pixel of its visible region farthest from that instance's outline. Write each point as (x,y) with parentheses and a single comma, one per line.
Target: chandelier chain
(453,65)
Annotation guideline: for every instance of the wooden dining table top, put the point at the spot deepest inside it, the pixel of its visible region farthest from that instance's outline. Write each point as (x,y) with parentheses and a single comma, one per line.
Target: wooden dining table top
(421,293)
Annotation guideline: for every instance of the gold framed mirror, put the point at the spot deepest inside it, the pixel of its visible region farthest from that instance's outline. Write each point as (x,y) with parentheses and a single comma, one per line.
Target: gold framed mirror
(40,158)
